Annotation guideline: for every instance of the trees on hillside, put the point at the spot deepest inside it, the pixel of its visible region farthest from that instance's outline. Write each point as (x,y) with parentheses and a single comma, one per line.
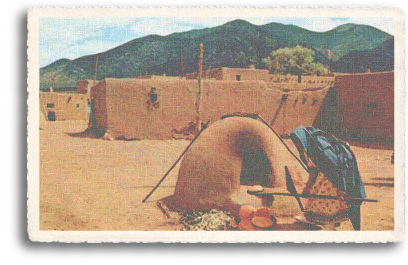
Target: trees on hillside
(297,61)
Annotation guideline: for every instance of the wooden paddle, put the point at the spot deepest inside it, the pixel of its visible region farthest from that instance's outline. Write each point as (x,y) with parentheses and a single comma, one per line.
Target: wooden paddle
(267,192)
(291,187)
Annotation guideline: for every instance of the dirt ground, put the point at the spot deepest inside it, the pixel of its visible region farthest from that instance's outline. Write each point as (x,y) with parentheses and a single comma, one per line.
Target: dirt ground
(93,184)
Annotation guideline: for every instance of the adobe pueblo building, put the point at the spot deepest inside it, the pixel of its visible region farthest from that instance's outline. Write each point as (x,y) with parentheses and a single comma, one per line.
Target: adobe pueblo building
(366,105)
(153,107)
(63,106)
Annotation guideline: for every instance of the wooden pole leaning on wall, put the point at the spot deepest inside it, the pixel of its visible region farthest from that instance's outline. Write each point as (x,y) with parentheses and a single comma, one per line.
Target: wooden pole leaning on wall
(183,72)
(96,69)
(91,123)
(200,84)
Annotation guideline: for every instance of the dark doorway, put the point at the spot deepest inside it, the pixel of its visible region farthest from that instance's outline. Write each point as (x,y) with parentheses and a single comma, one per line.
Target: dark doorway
(51,116)
(256,168)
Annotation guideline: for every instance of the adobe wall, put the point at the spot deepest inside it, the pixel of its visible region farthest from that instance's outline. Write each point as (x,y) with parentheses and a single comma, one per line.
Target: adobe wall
(306,79)
(84,87)
(297,108)
(65,106)
(226,97)
(326,118)
(366,104)
(128,114)
(245,74)
(284,111)
(215,73)
(230,74)
(361,104)
(98,99)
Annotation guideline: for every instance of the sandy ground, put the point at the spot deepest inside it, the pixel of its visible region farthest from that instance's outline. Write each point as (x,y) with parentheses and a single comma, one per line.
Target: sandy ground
(93,184)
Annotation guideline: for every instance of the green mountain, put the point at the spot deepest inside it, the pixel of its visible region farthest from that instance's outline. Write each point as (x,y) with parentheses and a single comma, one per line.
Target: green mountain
(378,59)
(235,44)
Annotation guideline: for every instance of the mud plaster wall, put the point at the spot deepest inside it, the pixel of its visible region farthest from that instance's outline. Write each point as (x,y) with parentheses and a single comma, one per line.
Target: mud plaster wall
(125,110)
(224,73)
(65,106)
(244,74)
(300,108)
(366,104)
(326,118)
(230,74)
(305,79)
(130,115)
(98,96)
(84,87)
(215,73)
(284,111)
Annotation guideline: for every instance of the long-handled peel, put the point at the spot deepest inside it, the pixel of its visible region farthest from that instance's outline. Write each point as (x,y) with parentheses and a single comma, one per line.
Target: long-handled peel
(268,192)
(291,187)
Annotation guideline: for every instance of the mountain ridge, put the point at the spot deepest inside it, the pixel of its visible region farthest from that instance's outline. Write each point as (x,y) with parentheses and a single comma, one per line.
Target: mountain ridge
(237,43)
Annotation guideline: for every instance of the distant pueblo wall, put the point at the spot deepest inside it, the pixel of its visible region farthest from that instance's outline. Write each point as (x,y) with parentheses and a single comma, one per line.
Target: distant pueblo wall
(84,87)
(63,106)
(366,105)
(152,107)
(245,74)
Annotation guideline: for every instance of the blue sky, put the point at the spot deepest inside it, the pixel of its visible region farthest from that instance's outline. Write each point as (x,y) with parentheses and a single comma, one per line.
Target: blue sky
(75,37)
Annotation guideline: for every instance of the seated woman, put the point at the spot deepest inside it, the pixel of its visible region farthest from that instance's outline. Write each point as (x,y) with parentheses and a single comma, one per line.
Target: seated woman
(323,211)
(324,179)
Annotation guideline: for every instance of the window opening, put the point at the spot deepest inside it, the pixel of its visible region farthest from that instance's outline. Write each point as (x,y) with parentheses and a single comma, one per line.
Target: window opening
(372,105)
(153,101)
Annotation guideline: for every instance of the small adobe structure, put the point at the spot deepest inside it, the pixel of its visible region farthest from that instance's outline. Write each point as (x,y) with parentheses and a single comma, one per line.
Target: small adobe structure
(63,106)
(233,151)
(67,106)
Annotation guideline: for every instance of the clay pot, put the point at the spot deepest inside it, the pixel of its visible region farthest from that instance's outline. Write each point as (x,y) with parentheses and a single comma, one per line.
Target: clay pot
(263,212)
(261,222)
(246,225)
(246,212)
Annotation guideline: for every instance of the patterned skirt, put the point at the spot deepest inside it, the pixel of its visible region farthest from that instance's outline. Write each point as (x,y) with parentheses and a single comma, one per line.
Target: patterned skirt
(323,210)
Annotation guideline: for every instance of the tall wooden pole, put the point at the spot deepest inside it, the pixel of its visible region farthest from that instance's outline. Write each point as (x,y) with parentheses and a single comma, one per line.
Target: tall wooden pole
(96,69)
(182,66)
(91,123)
(200,84)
